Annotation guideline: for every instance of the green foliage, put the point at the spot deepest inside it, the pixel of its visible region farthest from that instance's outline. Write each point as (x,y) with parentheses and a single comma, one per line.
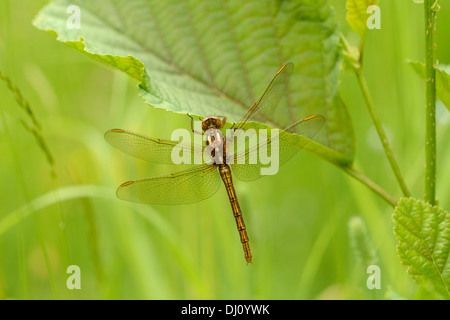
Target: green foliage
(442,80)
(423,236)
(216,57)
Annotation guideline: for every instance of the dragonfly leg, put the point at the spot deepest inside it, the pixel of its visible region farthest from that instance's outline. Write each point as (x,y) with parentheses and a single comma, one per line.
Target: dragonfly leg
(224,120)
(192,125)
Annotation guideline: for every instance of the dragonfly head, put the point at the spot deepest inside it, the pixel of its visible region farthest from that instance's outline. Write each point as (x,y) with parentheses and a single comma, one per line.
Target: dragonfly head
(212,122)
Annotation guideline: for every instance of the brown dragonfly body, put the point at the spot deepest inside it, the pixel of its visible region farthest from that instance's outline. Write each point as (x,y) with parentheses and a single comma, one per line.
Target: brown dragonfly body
(214,138)
(202,181)
(225,173)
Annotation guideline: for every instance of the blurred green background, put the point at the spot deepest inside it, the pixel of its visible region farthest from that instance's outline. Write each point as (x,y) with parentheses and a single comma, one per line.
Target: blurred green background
(298,221)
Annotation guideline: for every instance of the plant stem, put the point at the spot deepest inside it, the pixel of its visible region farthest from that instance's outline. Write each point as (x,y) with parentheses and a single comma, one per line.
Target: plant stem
(430,114)
(381,133)
(371,185)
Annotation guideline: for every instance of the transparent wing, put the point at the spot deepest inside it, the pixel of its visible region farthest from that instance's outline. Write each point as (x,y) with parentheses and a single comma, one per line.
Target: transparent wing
(288,145)
(182,187)
(151,149)
(262,110)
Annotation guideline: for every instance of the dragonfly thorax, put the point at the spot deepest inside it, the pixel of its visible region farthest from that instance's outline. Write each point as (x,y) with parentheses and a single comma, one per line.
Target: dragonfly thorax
(215,141)
(216,145)
(214,138)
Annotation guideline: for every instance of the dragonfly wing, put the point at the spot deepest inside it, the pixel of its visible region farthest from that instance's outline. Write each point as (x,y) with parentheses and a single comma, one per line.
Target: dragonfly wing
(263,109)
(151,149)
(189,186)
(288,145)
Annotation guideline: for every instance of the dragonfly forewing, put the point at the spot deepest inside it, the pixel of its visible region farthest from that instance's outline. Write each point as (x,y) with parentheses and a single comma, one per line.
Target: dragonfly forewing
(152,149)
(262,111)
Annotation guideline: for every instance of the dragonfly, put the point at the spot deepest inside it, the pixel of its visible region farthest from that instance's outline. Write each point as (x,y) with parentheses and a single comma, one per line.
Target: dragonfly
(204,180)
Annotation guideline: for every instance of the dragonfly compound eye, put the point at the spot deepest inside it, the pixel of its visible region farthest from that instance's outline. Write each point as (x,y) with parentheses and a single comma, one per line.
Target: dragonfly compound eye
(211,122)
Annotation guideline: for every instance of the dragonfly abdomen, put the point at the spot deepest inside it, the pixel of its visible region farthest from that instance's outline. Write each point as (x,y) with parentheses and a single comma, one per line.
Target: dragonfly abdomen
(225,173)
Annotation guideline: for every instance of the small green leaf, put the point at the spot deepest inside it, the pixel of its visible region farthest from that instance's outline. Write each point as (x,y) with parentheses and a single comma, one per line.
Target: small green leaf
(357,15)
(423,243)
(442,80)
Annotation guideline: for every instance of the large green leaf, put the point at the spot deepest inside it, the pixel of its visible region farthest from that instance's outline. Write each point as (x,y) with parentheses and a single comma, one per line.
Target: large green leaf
(423,235)
(215,57)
